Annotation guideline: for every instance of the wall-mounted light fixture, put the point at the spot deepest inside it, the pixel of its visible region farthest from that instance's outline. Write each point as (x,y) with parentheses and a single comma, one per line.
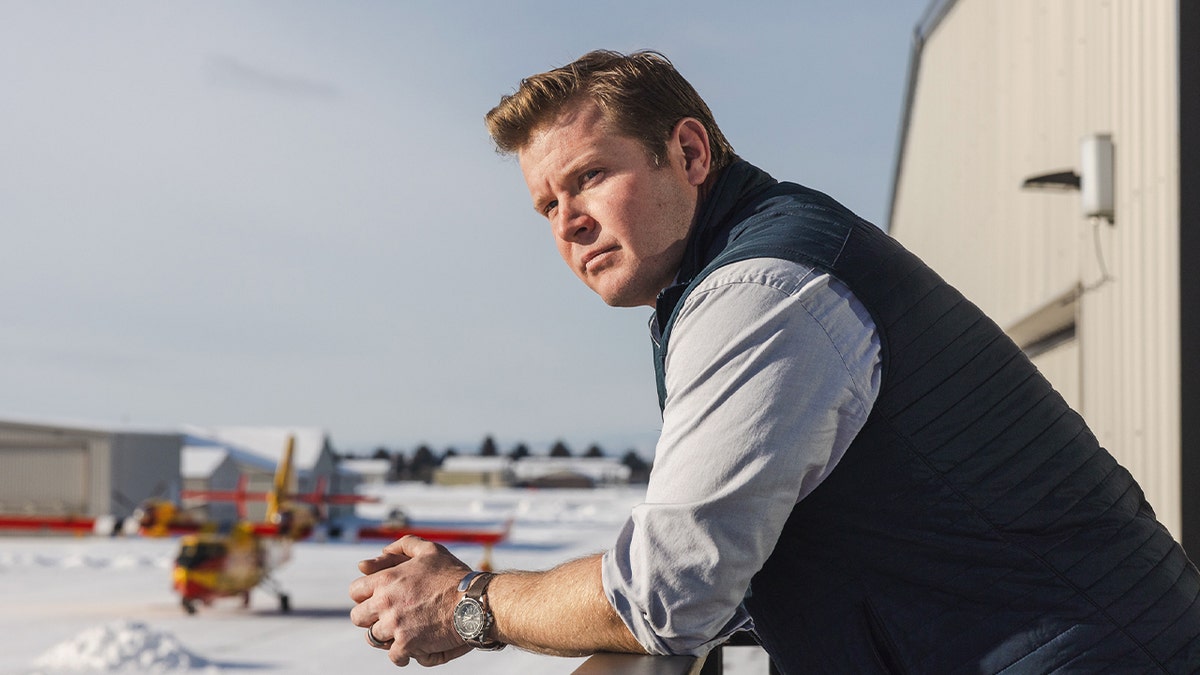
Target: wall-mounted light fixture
(1094,181)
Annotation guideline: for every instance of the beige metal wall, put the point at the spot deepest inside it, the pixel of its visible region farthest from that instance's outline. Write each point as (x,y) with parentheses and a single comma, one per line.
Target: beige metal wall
(44,480)
(1005,90)
(46,470)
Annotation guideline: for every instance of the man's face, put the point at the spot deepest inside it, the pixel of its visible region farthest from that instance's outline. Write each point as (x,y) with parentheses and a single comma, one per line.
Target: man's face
(620,222)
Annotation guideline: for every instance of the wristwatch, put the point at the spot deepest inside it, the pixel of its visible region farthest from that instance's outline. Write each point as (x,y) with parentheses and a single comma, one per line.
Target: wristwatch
(472,616)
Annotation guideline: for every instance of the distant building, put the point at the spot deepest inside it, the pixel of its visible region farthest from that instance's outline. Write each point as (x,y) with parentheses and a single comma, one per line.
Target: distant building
(366,471)
(208,465)
(58,469)
(71,469)
(475,470)
(1049,168)
(531,471)
(258,450)
(570,471)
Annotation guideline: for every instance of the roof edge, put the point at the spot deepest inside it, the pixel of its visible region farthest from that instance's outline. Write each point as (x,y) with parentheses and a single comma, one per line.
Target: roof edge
(926,25)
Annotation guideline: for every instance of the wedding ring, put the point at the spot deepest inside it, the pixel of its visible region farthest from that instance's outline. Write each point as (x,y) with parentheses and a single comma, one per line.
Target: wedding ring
(376,642)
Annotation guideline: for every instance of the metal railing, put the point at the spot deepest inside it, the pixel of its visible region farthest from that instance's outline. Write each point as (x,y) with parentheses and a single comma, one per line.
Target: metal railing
(636,664)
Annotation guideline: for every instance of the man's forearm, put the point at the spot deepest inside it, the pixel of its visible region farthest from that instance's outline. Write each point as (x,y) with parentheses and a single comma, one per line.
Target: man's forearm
(562,611)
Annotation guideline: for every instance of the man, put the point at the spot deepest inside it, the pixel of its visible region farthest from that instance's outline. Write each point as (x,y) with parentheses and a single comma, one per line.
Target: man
(855,463)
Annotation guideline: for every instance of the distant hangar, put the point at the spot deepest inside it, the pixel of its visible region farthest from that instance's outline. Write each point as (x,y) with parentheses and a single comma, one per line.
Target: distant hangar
(61,470)
(54,469)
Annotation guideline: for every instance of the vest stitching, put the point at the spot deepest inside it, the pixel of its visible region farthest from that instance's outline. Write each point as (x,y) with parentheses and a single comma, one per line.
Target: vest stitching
(1028,550)
(1148,572)
(1000,465)
(967,426)
(1113,535)
(1083,465)
(1014,601)
(1186,610)
(919,400)
(932,324)
(1001,532)
(1149,606)
(1174,584)
(916,272)
(1068,442)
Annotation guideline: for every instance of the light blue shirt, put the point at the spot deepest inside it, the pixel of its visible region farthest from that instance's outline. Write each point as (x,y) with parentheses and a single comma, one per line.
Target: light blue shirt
(771,372)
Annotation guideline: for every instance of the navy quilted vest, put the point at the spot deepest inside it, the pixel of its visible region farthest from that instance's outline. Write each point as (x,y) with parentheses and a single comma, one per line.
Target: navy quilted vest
(975,525)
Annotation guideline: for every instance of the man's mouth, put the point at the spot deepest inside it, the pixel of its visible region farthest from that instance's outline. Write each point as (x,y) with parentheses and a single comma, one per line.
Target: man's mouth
(595,257)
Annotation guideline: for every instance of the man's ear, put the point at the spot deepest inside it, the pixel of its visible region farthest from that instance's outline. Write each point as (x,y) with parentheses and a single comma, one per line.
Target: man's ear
(691,138)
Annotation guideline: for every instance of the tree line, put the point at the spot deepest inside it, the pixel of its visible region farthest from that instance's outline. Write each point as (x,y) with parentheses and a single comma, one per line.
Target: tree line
(421,465)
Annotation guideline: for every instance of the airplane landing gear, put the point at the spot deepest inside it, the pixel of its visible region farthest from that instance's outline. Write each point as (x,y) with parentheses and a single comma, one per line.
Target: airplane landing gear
(285,602)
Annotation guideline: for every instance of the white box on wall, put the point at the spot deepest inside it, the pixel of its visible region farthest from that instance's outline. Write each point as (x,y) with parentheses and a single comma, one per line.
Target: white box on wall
(1096,176)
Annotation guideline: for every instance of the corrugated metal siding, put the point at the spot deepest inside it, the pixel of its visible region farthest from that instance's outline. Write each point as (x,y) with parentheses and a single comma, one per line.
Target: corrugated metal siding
(1005,91)
(49,468)
(44,480)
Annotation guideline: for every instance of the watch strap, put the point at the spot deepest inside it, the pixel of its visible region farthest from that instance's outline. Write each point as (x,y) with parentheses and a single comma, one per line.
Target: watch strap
(466,580)
(477,585)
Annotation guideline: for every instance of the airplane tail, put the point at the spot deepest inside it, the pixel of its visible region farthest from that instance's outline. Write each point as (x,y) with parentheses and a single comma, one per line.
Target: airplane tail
(282,482)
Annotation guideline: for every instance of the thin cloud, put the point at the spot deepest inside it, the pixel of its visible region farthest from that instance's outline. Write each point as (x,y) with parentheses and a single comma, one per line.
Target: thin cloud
(225,71)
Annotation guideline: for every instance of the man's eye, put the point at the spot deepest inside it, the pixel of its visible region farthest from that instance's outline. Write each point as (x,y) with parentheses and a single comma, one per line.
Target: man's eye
(550,206)
(589,175)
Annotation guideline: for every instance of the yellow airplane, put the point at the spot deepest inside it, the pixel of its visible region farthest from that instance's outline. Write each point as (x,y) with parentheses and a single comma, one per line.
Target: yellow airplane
(230,562)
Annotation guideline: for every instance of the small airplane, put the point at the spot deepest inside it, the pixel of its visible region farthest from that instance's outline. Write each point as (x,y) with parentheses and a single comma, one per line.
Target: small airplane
(219,561)
(229,561)
(215,565)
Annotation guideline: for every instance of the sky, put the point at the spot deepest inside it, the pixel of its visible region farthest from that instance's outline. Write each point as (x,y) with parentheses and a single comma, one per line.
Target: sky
(273,213)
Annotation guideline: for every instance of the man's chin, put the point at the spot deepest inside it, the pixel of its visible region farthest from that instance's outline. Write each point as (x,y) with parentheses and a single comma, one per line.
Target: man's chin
(623,300)
(621,295)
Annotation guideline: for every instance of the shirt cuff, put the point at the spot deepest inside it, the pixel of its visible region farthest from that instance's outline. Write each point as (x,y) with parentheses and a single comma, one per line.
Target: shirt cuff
(664,640)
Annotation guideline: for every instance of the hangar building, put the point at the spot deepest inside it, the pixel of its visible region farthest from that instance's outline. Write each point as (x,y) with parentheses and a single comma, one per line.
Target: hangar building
(66,470)
(1049,167)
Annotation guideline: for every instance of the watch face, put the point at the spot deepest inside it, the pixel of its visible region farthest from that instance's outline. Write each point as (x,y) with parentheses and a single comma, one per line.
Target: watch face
(469,619)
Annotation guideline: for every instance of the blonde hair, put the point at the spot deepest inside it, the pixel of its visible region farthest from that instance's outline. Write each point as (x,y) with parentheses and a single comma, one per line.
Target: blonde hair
(641,95)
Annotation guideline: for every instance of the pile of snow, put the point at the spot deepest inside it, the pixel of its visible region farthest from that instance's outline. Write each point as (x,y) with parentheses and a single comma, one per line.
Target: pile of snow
(121,646)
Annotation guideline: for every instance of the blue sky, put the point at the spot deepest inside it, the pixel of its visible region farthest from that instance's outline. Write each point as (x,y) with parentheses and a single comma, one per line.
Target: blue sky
(289,213)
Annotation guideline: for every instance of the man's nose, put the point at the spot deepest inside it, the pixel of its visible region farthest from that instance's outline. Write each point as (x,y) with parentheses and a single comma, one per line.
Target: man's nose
(574,223)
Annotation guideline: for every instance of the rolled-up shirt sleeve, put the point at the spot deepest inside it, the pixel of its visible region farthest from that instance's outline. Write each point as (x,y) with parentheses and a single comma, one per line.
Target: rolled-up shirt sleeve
(771,371)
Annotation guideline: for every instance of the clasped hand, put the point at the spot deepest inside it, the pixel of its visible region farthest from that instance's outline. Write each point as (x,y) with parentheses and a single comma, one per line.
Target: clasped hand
(406,599)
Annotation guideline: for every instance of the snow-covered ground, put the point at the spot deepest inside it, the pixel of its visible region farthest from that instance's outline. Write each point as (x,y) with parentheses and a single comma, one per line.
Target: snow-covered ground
(104,605)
